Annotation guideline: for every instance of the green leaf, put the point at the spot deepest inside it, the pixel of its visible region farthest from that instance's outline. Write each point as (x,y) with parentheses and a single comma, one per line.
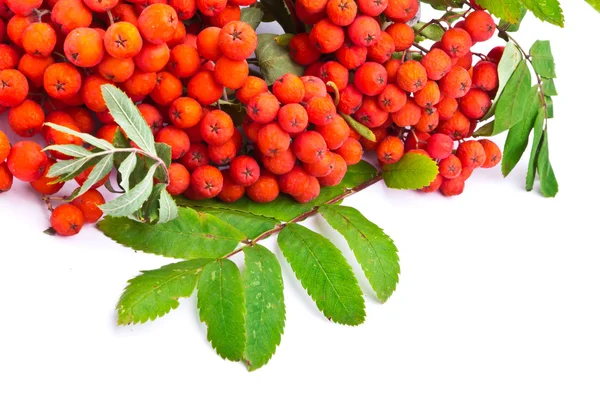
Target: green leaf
(221,307)
(518,135)
(167,208)
(359,128)
(154,293)
(70,150)
(133,199)
(444,4)
(126,169)
(506,26)
(274,60)
(252,16)
(265,308)
(129,118)
(120,142)
(509,10)
(595,4)
(251,225)
(549,106)
(69,169)
(548,182)
(374,250)
(413,171)
(284,17)
(511,105)
(433,31)
(100,170)
(538,131)
(549,88)
(285,39)
(190,236)
(94,141)
(149,213)
(164,153)
(506,67)
(546,10)
(324,273)
(542,59)
(485,131)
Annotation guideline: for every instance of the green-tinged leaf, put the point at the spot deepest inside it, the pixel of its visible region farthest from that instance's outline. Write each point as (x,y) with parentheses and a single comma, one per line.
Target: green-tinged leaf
(164,153)
(265,308)
(99,172)
(511,105)
(548,182)
(282,14)
(374,250)
(125,170)
(236,111)
(594,3)
(154,293)
(251,225)
(538,132)
(359,128)
(518,135)
(549,87)
(252,16)
(285,39)
(324,273)
(109,186)
(133,199)
(507,26)
(167,208)
(221,307)
(149,213)
(546,10)
(120,142)
(70,150)
(69,169)
(94,141)
(413,171)
(542,59)
(433,31)
(190,236)
(485,130)
(274,60)
(129,118)
(508,10)
(549,106)
(444,4)
(506,67)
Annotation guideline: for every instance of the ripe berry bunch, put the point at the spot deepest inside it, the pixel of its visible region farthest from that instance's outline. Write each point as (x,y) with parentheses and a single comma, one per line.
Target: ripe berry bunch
(411,101)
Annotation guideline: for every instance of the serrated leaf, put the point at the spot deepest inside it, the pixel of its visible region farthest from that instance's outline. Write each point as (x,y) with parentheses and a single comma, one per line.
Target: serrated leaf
(518,135)
(125,170)
(221,307)
(154,293)
(509,10)
(70,150)
(506,67)
(324,273)
(191,235)
(594,3)
(252,16)
(374,250)
(433,31)
(542,59)
(359,128)
(129,118)
(265,308)
(511,105)
(274,60)
(507,26)
(485,130)
(251,225)
(69,169)
(133,199)
(94,141)
(538,132)
(546,10)
(167,210)
(100,170)
(149,213)
(413,171)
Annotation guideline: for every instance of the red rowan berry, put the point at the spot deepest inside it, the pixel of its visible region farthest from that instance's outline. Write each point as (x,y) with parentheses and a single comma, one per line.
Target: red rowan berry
(322,167)
(429,96)
(100,6)
(231,191)
(39,39)
(84,47)
(140,84)
(152,116)
(107,133)
(207,181)
(391,66)
(158,23)
(372,8)
(390,150)
(450,167)
(230,73)
(447,107)
(457,127)
(82,177)
(383,50)
(307,17)
(309,147)
(430,120)
(350,55)
(16,26)
(335,133)
(46,185)
(341,12)
(294,182)
(456,83)
(26,119)
(67,220)
(122,40)
(409,115)
(351,151)
(251,87)
(321,111)
(495,55)
(185,112)
(456,42)
(71,14)
(264,190)
(370,114)
(231,12)
(313,6)
(364,31)
(237,40)
(434,186)
(204,88)
(222,154)
(184,61)
(9,57)
(293,118)
(26,161)
(485,76)
(88,204)
(350,100)
(195,157)
(168,89)
(471,154)
(176,138)
(116,70)
(251,129)
(326,36)
(302,50)
(416,140)
(402,35)
(280,164)
(465,61)
(216,127)
(123,12)
(23,7)
(493,155)
(437,64)
(62,80)
(153,57)
(475,104)
(337,174)
(6,178)
(371,145)
(402,10)
(411,76)
(244,170)
(211,7)
(480,25)
(452,187)
(272,140)
(371,78)
(392,98)
(289,89)
(82,117)
(334,72)
(313,87)
(33,68)
(313,189)
(208,43)
(13,88)
(4,147)
(263,108)
(91,92)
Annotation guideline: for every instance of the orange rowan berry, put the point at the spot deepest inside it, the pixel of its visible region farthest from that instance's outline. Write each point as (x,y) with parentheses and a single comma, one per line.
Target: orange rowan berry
(237,40)
(13,88)
(402,10)
(289,89)
(493,155)
(485,76)
(66,219)
(309,147)
(195,157)
(440,146)
(6,178)
(364,31)
(458,127)
(26,161)
(430,120)
(140,84)
(231,73)
(244,170)
(391,66)
(231,12)
(185,9)
(26,119)
(341,12)
(351,55)
(321,111)
(263,108)
(437,64)
(168,88)
(116,70)
(176,138)
(312,191)
(231,191)
(216,127)
(337,174)
(383,50)
(62,80)
(71,14)
(475,104)
(4,147)
(123,40)
(179,179)
(390,150)
(53,136)
(211,7)
(313,87)
(371,78)
(293,118)
(39,39)
(402,35)
(471,154)
(416,140)
(9,57)
(89,203)
(46,185)
(16,26)
(158,23)
(185,61)
(294,182)
(185,112)
(222,154)
(100,6)
(391,98)
(465,61)
(370,114)
(411,76)
(456,83)
(153,117)
(272,140)
(433,186)
(107,133)
(153,57)
(264,190)
(251,87)
(409,115)
(429,96)
(208,43)
(350,100)
(23,7)
(336,73)
(372,8)
(447,107)
(450,167)
(351,151)
(207,181)
(82,117)
(302,50)
(480,25)
(452,187)
(307,17)
(204,88)
(335,133)
(84,47)
(326,36)
(91,92)
(180,35)
(313,6)
(456,42)
(322,167)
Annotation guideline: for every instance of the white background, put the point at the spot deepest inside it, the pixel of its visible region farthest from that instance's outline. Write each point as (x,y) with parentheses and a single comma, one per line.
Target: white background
(499,294)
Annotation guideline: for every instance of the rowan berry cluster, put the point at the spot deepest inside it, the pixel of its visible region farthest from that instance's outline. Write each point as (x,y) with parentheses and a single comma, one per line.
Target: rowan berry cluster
(424,104)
